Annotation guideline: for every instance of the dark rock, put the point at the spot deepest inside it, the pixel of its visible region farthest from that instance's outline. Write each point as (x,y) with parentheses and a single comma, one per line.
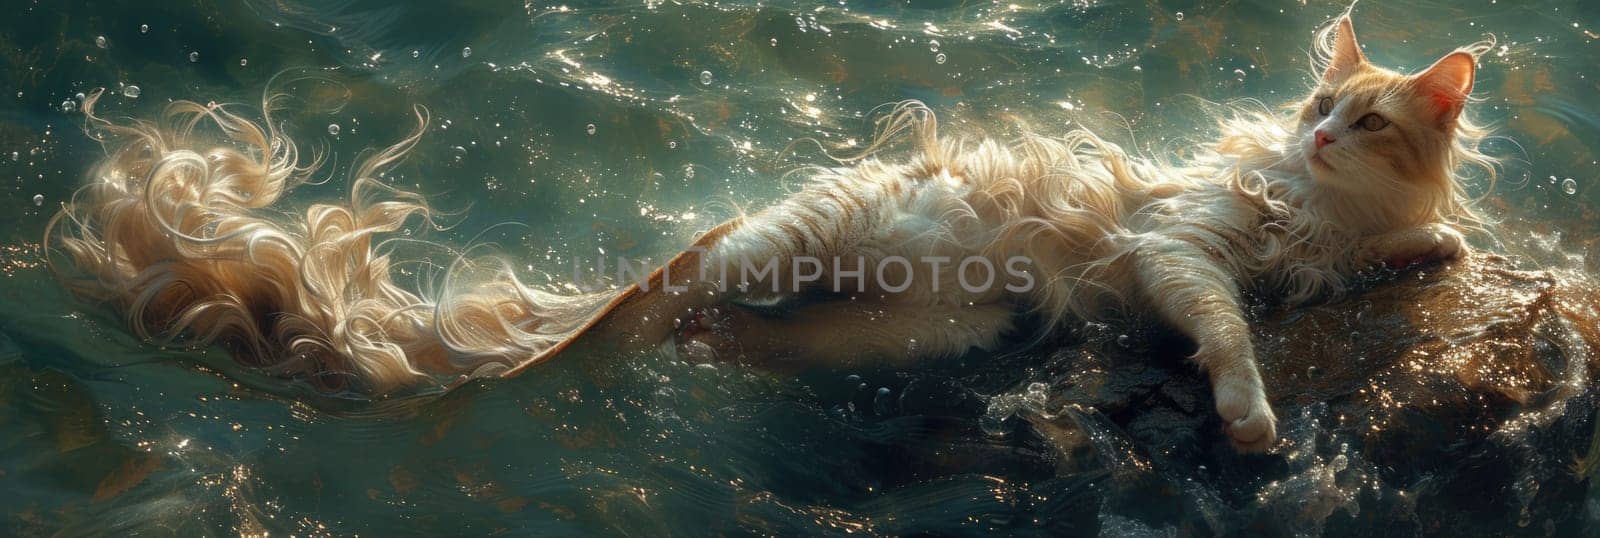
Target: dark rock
(1448,400)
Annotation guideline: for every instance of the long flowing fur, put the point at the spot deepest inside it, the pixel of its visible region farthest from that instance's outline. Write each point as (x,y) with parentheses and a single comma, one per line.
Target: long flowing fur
(175,229)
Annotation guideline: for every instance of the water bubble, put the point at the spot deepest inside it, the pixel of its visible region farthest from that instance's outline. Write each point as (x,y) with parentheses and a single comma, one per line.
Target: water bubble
(939,59)
(68,105)
(1180,15)
(100,41)
(194,57)
(144,28)
(466,52)
(38,200)
(933,46)
(131,91)
(1569,186)
(881,401)
(705,78)
(589,129)
(333,129)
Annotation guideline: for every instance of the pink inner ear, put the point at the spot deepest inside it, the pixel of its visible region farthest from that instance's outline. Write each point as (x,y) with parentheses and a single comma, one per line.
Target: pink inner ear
(1445,104)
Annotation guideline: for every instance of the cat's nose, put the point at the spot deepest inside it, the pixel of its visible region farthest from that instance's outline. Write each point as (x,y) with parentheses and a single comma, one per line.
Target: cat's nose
(1323,139)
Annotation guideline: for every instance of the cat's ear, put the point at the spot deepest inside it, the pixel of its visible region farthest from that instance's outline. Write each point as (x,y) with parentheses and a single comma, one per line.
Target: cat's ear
(1346,52)
(1444,86)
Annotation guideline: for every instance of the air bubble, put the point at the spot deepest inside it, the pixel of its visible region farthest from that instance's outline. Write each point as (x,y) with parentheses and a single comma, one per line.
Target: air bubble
(38,200)
(939,59)
(1180,15)
(1569,186)
(333,129)
(244,62)
(933,45)
(416,53)
(69,105)
(131,91)
(100,41)
(194,57)
(705,78)
(589,129)
(466,52)
(144,28)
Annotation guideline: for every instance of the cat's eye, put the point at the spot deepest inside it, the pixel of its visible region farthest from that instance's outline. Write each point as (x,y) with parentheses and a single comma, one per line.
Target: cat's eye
(1325,105)
(1372,122)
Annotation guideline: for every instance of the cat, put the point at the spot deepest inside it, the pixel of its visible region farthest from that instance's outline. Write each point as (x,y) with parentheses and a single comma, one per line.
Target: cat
(1286,206)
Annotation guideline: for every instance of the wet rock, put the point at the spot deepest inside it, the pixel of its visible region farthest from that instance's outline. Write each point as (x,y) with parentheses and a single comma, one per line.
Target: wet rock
(1450,400)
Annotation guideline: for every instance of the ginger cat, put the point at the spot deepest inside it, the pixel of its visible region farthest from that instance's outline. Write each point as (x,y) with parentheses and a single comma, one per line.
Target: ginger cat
(1284,206)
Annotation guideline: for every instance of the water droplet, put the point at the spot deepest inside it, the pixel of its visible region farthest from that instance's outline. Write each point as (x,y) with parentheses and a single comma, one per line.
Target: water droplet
(194,57)
(939,59)
(933,46)
(244,62)
(144,28)
(38,200)
(1180,15)
(1569,186)
(131,91)
(333,129)
(100,41)
(69,105)
(705,78)
(466,52)
(589,129)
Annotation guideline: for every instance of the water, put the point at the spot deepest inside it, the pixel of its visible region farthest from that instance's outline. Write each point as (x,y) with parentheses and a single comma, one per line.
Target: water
(628,128)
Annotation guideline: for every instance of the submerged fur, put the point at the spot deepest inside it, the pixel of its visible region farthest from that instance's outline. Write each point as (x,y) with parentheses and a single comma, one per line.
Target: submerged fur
(175,230)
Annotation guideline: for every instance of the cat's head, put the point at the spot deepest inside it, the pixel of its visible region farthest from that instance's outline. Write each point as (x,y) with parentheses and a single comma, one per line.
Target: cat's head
(1366,127)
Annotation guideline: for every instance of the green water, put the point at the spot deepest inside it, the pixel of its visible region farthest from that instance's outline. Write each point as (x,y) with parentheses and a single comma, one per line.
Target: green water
(627,128)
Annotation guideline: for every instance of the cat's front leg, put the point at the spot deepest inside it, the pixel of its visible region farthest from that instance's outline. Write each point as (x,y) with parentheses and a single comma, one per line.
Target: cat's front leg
(1415,246)
(1190,292)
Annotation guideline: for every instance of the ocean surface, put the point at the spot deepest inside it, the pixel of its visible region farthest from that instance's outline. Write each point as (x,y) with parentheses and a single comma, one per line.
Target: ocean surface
(563,130)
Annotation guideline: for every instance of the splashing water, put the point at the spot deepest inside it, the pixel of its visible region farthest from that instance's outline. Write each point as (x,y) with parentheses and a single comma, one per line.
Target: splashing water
(1107,432)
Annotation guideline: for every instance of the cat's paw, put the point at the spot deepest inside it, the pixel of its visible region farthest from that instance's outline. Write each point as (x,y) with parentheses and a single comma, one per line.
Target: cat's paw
(1417,247)
(1246,415)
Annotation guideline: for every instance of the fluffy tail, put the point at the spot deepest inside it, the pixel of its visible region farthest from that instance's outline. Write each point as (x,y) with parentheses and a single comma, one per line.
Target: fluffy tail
(175,230)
